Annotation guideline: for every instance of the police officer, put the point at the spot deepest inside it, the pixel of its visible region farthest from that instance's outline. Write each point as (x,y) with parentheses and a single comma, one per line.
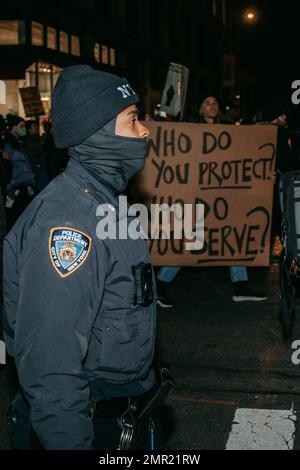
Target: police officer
(79,310)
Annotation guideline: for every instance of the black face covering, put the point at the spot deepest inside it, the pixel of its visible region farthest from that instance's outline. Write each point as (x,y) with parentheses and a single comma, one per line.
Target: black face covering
(110,158)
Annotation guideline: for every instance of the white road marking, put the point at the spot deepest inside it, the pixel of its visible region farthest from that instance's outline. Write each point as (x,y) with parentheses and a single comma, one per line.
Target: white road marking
(262,430)
(2,352)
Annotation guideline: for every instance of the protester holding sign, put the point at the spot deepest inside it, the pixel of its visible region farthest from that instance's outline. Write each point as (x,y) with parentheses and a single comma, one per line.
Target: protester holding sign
(210,113)
(228,170)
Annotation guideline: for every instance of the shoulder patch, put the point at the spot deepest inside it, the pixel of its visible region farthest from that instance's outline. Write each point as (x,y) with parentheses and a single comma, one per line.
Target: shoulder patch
(68,249)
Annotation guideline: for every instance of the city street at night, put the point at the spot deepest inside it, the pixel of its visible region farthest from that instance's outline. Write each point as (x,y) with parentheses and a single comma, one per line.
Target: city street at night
(149,231)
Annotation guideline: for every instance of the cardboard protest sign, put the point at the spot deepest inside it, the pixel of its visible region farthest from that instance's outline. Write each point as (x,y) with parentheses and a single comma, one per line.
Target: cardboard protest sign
(174,93)
(32,103)
(229,170)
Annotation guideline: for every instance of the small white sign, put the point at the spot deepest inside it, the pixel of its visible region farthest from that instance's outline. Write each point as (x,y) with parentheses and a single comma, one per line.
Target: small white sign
(2,92)
(174,94)
(2,352)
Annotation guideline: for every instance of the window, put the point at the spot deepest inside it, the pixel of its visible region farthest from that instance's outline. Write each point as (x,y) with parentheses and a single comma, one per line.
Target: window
(224,16)
(12,33)
(51,38)
(75,45)
(63,42)
(97,52)
(47,76)
(104,55)
(37,34)
(214,8)
(112,57)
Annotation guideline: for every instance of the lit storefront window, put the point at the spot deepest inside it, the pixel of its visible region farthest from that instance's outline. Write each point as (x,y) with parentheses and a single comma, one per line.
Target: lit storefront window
(39,74)
(75,45)
(97,52)
(104,55)
(63,42)
(12,33)
(37,34)
(112,57)
(12,100)
(47,76)
(51,38)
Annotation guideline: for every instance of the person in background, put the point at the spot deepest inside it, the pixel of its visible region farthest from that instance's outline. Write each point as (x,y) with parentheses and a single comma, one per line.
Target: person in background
(36,154)
(209,113)
(55,159)
(20,189)
(165,276)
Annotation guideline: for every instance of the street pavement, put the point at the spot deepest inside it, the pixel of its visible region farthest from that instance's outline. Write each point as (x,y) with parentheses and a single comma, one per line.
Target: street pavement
(237,386)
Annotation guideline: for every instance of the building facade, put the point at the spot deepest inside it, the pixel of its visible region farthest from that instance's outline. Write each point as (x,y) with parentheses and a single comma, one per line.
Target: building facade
(133,38)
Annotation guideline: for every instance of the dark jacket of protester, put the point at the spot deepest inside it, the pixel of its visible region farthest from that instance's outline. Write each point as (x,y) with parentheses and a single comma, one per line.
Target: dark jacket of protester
(36,158)
(22,174)
(71,319)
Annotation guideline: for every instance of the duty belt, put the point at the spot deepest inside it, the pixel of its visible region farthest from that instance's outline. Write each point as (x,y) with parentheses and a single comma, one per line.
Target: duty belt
(129,411)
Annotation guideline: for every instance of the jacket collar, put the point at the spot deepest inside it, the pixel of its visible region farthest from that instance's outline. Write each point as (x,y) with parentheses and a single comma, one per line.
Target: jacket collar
(89,184)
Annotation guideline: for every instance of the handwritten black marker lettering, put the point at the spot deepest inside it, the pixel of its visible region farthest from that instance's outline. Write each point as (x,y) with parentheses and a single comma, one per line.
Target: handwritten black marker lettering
(212,142)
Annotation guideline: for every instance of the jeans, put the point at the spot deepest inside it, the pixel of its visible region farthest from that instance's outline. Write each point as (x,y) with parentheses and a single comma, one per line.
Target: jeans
(238,273)
(168,273)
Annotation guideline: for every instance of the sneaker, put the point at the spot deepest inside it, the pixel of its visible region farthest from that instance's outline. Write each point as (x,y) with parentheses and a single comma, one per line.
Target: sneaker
(243,293)
(165,302)
(162,299)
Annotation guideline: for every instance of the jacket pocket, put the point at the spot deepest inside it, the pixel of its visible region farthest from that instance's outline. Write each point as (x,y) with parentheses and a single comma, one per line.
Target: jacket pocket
(126,340)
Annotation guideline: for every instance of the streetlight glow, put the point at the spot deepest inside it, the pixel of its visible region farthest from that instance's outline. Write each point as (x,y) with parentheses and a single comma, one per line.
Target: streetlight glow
(250,16)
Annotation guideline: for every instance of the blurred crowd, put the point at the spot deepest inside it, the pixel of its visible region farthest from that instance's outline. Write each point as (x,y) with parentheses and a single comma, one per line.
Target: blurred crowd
(28,161)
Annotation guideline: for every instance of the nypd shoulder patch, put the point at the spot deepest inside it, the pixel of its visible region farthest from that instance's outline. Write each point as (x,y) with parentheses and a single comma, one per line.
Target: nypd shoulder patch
(68,249)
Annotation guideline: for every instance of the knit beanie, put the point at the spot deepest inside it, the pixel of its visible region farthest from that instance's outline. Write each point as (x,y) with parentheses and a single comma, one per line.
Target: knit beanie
(84,100)
(12,120)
